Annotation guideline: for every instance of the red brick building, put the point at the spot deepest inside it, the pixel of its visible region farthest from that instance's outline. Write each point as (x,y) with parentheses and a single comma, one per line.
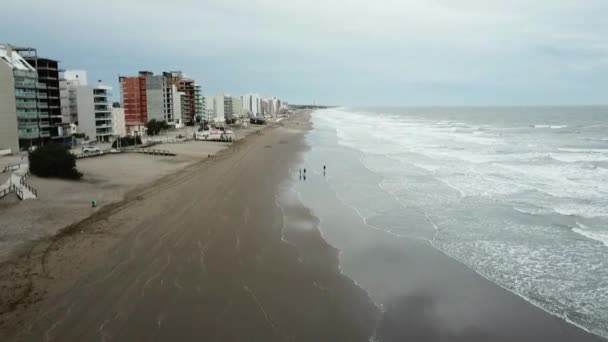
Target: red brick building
(186,86)
(134,101)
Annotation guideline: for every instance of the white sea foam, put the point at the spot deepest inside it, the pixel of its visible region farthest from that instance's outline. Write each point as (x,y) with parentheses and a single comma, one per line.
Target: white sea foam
(574,157)
(467,177)
(584,150)
(551,126)
(591,234)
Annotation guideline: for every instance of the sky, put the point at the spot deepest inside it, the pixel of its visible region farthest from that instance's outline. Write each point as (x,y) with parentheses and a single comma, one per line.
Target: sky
(335,52)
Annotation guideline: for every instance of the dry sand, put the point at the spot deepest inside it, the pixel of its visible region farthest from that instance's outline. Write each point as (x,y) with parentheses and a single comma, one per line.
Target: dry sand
(106,179)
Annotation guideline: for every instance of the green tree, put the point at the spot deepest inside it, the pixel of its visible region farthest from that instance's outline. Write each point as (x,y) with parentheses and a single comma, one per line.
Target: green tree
(154,126)
(54,160)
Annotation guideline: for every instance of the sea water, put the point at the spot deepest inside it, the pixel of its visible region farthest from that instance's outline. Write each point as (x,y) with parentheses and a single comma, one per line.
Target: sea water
(520,195)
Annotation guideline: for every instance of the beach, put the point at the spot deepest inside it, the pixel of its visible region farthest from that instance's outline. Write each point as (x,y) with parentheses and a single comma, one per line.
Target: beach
(195,255)
(238,247)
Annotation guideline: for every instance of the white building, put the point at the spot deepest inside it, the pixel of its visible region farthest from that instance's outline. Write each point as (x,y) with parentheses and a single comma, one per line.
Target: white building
(252,104)
(90,107)
(238,110)
(67,92)
(76,76)
(216,108)
(118,119)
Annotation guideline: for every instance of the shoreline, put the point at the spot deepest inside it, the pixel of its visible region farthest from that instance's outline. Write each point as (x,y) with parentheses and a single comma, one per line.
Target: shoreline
(190,257)
(526,299)
(415,270)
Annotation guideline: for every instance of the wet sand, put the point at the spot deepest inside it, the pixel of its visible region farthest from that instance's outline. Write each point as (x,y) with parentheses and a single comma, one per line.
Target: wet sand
(195,256)
(425,295)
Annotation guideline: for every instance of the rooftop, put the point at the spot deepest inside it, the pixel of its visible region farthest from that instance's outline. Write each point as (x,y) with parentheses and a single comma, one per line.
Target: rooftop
(9,55)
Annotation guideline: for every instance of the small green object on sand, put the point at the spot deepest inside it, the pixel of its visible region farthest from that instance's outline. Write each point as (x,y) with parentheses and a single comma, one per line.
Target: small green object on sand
(93,204)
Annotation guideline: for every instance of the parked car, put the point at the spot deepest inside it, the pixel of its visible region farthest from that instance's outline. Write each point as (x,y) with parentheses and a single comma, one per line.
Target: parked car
(90,149)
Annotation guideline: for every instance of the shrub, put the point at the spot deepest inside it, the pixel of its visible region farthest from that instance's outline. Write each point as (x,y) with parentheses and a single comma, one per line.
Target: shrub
(154,126)
(127,141)
(53,160)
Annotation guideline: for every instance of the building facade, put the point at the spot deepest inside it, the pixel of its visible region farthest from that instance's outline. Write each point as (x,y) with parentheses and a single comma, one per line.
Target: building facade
(94,107)
(133,97)
(237,107)
(200,106)
(9,131)
(118,119)
(50,75)
(24,109)
(72,79)
(252,104)
(216,108)
(188,87)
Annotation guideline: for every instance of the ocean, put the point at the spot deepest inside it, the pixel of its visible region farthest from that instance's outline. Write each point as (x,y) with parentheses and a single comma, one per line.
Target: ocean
(517,194)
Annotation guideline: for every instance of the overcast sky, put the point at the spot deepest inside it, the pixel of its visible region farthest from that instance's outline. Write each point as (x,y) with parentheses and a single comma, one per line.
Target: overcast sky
(347,52)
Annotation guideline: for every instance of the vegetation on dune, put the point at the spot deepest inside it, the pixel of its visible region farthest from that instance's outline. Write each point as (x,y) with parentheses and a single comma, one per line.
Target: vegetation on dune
(154,126)
(54,160)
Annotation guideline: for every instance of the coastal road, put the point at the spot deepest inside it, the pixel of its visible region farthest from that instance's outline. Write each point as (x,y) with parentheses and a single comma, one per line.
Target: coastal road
(198,255)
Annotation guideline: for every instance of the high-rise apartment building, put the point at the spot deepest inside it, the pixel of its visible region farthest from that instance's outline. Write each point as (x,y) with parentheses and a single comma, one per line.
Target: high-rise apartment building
(199,99)
(252,104)
(118,119)
(148,96)
(88,106)
(216,108)
(49,74)
(67,93)
(94,106)
(134,101)
(24,102)
(237,107)
(188,87)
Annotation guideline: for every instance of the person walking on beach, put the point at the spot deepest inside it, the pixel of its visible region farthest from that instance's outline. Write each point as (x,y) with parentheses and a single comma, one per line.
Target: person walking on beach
(324,170)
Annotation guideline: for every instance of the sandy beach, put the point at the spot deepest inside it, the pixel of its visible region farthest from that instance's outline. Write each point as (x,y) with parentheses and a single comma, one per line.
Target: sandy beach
(196,255)
(224,250)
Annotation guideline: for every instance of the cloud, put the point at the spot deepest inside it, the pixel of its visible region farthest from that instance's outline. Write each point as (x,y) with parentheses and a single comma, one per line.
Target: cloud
(290,47)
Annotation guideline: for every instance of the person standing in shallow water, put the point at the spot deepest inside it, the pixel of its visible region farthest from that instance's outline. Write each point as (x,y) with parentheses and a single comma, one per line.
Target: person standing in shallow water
(324,168)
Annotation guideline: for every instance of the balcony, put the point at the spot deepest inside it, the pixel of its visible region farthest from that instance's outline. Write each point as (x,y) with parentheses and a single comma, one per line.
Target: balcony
(24,125)
(47,67)
(22,114)
(21,104)
(45,134)
(44,124)
(103,110)
(25,84)
(29,133)
(25,94)
(43,105)
(40,85)
(25,74)
(104,126)
(48,78)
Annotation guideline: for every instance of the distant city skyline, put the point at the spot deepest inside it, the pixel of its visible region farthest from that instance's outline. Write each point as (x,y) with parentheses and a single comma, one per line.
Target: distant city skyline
(353,53)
